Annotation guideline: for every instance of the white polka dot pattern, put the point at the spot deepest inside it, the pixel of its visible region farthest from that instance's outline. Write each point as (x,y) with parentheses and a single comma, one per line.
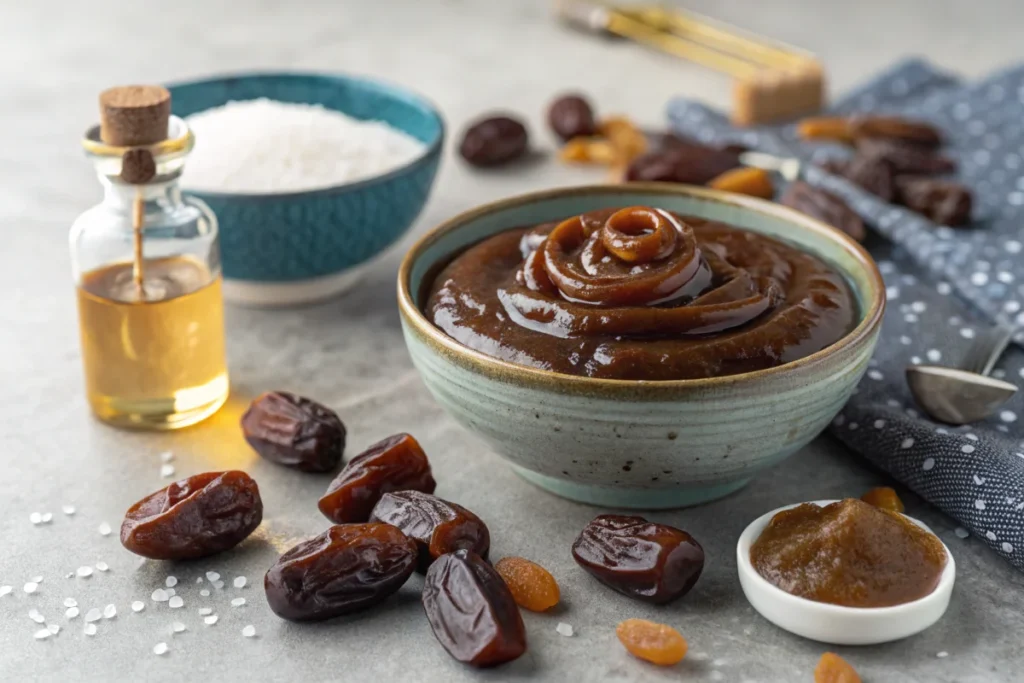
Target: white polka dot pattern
(944,286)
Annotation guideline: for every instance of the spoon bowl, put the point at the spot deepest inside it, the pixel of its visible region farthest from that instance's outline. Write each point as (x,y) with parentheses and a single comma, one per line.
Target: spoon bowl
(956,396)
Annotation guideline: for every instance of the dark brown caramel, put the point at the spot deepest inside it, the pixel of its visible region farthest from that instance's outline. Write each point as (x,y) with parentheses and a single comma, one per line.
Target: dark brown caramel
(639,293)
(849,553)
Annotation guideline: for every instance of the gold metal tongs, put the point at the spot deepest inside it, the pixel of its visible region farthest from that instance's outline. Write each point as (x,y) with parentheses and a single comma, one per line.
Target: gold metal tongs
(773,81)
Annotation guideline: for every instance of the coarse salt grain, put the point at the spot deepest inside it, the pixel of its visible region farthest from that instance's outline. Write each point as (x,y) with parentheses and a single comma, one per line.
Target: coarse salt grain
(160,595)
(166,471)
(564,629)
(71,612)
(160,649)
(35,616)
(177,627)
(68,509)
(210,620)
(84,572)
(93,615)
(53,628)
(239,582)
(109,612)
(249,631)
(942,654)
(205,593)
(138,606)
(47,517)
(176,602)
(166,456)
(102,566)
(961,532)
(70,602)
(171,581)
(203,611)
(37,579)
(31,587)
(218,584)
(238,602)
(4,590)
(104,529)
(266,146)
(170,592)
(42,633)
(90,629)
(212,576)
(35,518)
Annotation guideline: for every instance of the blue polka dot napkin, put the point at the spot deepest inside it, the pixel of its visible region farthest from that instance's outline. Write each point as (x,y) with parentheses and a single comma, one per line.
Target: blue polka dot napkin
(944,286)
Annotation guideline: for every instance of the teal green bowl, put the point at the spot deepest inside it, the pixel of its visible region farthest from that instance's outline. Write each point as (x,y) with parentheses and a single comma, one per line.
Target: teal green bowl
(296,247)
(636,444)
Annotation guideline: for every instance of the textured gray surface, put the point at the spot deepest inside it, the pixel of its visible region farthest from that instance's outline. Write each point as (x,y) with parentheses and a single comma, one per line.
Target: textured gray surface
(349,354)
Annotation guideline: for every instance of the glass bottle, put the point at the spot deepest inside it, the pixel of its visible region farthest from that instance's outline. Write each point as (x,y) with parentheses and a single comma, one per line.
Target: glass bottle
(150,308)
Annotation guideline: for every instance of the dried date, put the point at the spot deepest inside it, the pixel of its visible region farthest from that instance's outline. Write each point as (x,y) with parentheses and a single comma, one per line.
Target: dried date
(942,201)
(824,206)
(494,141)
(437,526)
(906,159)
(644,560)
(471,610)
(571,116)
(196,517)
(347,568)
(395,464)
(874,174)
(896,128)
(683,162)
(294,431)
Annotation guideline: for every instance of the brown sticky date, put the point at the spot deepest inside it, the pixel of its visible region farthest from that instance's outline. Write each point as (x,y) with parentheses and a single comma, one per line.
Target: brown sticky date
(906,159)
(571,116)
(347,568)
(395,464)
(874,174)
(471,610)
(195,517)
(824,206)
(437,526)
(682,162)
(494,141)
(896,128)
(942,201)
(644,560)
(294,431)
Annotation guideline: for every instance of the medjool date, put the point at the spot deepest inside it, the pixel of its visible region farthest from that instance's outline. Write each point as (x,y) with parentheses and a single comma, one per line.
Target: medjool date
(906,159)
(942,201)
(347,568)
(471,610)
(437,526)
(494,141)
(195,517)
(824,206)
(571,116)
(896,128)
(683,162)
(395,464)
(874,174)
(644,560)
(294,431)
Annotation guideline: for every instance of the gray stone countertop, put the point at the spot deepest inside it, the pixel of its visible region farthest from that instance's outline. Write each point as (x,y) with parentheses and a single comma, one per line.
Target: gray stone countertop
(469,57)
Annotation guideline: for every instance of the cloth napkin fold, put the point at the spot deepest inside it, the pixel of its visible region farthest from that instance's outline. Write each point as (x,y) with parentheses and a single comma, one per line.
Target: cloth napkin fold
(944,286)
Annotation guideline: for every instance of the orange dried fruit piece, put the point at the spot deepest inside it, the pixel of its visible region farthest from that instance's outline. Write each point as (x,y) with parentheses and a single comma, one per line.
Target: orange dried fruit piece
(532,586)
(826,128)
(834,669)
(884,497)
(755,182)
(628,141)
(655,643)
(585,150)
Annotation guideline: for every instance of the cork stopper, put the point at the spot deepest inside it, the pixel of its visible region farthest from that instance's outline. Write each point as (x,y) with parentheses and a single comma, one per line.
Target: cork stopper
(134,115)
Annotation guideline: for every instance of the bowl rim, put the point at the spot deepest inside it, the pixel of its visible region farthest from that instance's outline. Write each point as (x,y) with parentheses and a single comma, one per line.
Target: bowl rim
(870,320)
(745,568)
(404,93)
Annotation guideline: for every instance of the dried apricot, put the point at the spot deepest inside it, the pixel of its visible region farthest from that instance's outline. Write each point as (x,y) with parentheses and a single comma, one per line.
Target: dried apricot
(628,140)
(532,586)
(834,669)
(755,182)
(656,643)
(585,150)
(885,498)
(826,128)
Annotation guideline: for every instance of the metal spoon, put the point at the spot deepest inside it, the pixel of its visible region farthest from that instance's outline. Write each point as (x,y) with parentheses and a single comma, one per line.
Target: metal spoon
(967,394)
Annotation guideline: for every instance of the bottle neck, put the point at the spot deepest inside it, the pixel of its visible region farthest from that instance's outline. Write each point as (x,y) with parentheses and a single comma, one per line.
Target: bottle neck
(159,197)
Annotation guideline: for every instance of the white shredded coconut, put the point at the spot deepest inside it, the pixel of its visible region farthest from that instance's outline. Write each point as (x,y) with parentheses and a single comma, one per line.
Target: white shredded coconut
(264,146)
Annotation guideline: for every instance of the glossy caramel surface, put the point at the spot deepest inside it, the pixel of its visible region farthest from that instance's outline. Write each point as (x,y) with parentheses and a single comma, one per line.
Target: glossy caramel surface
(849,553)
(640,293)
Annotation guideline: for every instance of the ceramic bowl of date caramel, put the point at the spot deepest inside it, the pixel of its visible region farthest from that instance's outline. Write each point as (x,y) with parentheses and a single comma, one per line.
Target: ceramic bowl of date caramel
(634,443)
(839,624)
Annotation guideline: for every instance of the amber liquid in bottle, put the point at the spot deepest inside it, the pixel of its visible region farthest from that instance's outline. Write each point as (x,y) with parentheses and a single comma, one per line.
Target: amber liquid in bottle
(153,360)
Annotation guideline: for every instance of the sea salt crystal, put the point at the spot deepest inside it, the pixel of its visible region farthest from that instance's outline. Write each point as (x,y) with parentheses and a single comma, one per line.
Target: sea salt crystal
(35,616)
(171,581)
(212,576)
(93,615)
(166,456)
(71,612)
(160,595)
(47,517)
(170,592)
(564,629)
(218,584)
(166,471)
(70,602)
(160,649)
(42,633)
(210,620)
(238,602)
(176,602)
(37,579)
(4,590)
(249,631)
(961,532)
(90,629)
(35,518)
(239,582)
(942,654)
(102,566)
(84,572)
(138,606)
(205,593)
(53,628)
(177,627)
(31,587)
(104,529)
(203,611)
(266,146)
(68,509)
(109,612)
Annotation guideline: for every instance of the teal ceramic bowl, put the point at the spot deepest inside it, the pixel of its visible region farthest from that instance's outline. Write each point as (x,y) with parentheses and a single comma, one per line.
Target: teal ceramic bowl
(640,444)
(297,247)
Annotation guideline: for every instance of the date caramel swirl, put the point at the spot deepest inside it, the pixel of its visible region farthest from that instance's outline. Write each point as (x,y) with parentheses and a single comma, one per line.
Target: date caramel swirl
(633,271)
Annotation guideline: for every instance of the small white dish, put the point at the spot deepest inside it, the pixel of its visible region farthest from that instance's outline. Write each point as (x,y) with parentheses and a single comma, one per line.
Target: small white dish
(836,624)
